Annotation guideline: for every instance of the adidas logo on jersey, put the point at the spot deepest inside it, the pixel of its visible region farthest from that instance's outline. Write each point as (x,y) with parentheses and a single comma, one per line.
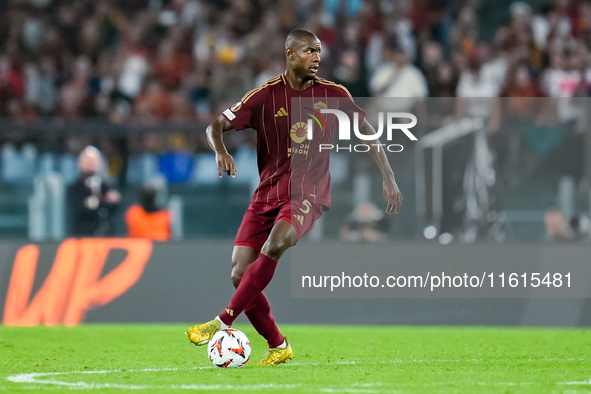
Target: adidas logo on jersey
(281,112)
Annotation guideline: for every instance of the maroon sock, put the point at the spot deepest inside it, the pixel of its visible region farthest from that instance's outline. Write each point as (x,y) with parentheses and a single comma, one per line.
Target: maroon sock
(254,281)
(259,315)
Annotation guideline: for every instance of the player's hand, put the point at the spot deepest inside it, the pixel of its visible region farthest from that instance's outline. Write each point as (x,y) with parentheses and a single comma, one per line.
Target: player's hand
(225,163)
(392,195)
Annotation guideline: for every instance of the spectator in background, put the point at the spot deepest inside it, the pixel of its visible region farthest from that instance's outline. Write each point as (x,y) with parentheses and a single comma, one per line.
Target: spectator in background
(349,73)
(365,224)
(580,226)
(556,226)
(31,84)
(75,96)
(446,80)
(11,85)
(269,69)
(520,84)
(473,83)
(501,57)
(208,51)
(479,95)
(133,61)
(181,108)
(577,229)
(464,34)
(48,76)
(176,164)
(431,58)
(170,66)
(441,110)
(147,219)
(397,78)
(154,105)
(91,201)
(198,92)
(562,79)
(529,122)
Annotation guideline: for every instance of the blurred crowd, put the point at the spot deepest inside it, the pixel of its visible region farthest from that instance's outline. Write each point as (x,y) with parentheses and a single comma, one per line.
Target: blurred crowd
(172,64)
(146,61)
(159,63)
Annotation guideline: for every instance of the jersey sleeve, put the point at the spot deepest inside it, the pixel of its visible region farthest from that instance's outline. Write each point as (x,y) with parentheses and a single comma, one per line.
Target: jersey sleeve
(243,114)
(348,105)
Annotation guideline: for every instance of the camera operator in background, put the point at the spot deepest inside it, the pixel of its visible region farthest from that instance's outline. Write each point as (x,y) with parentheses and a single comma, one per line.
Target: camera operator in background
(91,201)
(148,219)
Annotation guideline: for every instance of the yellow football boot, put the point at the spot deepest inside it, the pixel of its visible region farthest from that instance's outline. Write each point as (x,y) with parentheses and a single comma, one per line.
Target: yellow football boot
(277,355)
(202,333)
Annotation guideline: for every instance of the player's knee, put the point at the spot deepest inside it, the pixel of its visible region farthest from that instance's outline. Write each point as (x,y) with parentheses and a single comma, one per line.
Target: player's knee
(275,248)
(236,275)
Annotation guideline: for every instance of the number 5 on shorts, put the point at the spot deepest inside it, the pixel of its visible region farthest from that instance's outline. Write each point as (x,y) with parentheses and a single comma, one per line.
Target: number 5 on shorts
(308,205)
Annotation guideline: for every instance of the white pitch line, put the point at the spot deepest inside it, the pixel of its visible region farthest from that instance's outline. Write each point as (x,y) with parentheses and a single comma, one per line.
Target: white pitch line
(359,391)
(575,392)
(584,382)
(34,378)
(394,361)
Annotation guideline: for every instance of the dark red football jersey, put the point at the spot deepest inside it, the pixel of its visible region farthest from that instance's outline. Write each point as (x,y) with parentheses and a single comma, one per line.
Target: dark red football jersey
(291,164)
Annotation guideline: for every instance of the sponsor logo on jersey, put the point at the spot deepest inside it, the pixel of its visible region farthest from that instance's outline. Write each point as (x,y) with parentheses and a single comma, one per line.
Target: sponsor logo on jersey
(229,114)
(299,132)
(301,149)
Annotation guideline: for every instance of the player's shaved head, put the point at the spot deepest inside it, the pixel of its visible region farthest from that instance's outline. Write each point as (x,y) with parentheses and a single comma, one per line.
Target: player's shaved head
(298,37)
(302,52)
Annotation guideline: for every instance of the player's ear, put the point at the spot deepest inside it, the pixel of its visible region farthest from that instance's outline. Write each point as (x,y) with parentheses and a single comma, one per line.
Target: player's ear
(289,53)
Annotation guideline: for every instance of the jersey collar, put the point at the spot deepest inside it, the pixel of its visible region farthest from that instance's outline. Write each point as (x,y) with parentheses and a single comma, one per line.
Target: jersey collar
(284,78)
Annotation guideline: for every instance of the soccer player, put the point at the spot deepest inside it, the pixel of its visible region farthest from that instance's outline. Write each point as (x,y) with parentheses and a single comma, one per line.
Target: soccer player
(287,202)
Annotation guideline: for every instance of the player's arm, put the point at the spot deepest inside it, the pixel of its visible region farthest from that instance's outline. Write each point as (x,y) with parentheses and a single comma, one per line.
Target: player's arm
(391,191)
(224,160)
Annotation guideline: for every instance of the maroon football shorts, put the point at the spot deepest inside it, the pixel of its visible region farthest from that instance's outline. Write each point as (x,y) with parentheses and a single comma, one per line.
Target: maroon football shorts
(261,216)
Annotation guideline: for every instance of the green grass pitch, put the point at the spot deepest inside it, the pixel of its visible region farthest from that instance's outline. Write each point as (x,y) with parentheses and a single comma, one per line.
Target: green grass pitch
(328,359)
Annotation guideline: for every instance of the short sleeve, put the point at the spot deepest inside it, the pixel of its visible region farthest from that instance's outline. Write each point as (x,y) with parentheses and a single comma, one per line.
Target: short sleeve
(348,106)
(242,115)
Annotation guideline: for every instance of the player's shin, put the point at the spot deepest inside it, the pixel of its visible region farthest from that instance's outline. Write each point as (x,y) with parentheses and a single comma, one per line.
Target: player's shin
(254,281)
(259,315)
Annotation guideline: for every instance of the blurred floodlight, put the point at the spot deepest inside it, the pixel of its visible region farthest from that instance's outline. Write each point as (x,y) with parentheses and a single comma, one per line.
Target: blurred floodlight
(446,238)
(430,232)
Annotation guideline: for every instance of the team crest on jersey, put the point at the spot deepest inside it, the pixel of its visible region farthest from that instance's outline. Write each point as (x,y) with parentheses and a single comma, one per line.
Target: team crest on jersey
(236,106)
(320,105)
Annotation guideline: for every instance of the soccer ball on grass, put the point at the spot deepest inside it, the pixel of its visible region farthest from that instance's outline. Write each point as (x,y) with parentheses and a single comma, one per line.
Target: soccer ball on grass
(229,348)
